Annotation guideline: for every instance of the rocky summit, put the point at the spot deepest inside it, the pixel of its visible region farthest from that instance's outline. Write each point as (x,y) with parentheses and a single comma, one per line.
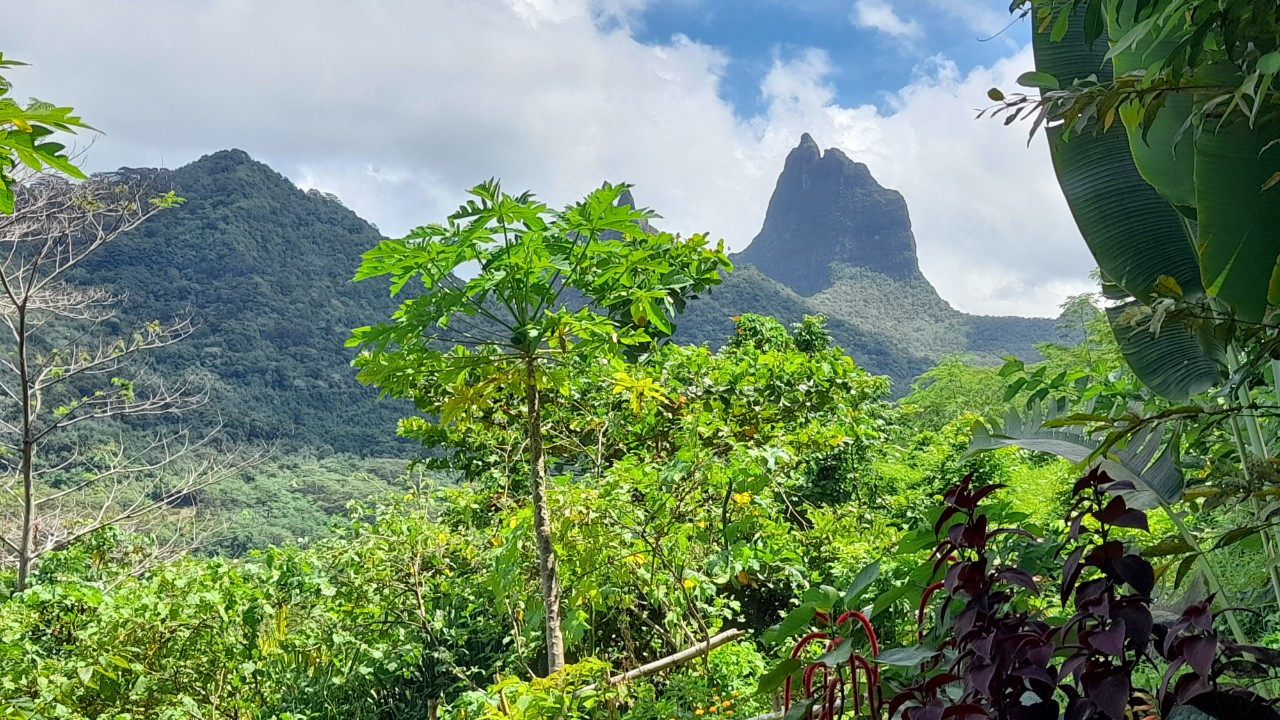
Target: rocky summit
(828,209)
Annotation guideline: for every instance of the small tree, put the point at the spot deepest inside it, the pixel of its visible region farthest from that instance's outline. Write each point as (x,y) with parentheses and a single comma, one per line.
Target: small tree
(589,281)
(65,367)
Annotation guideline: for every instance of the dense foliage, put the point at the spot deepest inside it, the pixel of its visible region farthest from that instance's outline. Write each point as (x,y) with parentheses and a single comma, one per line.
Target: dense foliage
(607,523)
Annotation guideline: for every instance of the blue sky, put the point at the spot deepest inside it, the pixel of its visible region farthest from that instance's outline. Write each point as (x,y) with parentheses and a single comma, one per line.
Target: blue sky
(868,62)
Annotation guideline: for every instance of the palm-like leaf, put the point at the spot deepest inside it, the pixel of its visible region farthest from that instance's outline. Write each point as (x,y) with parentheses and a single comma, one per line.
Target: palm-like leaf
(1142,462)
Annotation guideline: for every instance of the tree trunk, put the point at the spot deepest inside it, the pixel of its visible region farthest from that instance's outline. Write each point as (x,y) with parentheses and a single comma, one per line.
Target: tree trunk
(27,543)
(542,522)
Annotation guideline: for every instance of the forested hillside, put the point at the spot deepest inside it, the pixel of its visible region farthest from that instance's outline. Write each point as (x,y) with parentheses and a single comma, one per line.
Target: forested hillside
(266,270)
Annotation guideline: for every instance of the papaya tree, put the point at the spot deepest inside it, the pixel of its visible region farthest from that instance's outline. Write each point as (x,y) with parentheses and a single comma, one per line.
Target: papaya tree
(24,137)
(513,294)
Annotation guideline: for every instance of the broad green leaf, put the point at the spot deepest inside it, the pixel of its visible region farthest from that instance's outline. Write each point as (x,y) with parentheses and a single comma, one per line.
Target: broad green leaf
(1176,362)
(1034,79)
(1239,223)
(861,582)
(837,655)
(773,679)
(1142,462)
(906,656)
(822,597)
(801,709)
(1269,63)
(795,621)
(1163,153)
(1134,234)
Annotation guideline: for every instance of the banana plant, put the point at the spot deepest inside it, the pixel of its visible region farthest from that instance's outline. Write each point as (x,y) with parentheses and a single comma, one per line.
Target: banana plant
(1163,124)
(1178,201)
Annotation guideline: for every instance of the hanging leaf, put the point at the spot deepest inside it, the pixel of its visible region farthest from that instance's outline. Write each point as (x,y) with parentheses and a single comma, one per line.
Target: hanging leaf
(1239,223)
(1134,234)
(1177,361)
(1141,462)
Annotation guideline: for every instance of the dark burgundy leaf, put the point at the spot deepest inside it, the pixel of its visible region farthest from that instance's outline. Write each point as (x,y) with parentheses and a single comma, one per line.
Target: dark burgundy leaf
(946,515)
(1138,624)
(1189,686)
(1114,509)
(1198,615)
(1119,486)
(1043,710)
(937,681)
(1019,577)
(1109,641)
(1135,519)
(1199,652)
(1070,573)
(1038,673)
(1076,524)
(1137,572)
(984,492)
(899,700)
(1169,672)
(932,712)
(1089,590)
(975,533)
(980,677)
(965,711)
(1078,708)
(1105,555)
(1235,704)
(1108,690)
(1039,653)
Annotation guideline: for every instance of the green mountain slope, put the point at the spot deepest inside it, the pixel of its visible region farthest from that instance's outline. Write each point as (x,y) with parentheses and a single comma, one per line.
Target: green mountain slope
(266,269)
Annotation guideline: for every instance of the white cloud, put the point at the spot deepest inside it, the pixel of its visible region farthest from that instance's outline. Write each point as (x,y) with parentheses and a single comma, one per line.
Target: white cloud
(880,15)
(397,106)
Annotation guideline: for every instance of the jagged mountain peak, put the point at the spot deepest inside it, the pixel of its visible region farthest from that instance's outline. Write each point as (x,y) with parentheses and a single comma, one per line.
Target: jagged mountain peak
(828,209)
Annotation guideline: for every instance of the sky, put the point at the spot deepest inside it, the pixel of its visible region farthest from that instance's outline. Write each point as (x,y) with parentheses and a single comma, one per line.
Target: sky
(398,106)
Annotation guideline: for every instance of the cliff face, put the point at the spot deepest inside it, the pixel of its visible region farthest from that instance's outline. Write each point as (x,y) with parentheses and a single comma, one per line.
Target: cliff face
(828,209)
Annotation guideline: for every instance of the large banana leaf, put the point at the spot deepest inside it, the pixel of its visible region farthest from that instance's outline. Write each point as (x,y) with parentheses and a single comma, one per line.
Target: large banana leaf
(1142,462)
(1175,362)
(1163,153)
(1239,244)
(1134,234)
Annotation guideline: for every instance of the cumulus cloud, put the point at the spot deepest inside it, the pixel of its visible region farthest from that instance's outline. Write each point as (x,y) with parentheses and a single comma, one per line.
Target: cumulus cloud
(880,15)
(397,106)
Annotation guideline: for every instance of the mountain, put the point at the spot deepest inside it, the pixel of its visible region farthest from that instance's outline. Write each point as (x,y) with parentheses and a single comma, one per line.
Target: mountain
(827,209)
(835,242)
(266,269)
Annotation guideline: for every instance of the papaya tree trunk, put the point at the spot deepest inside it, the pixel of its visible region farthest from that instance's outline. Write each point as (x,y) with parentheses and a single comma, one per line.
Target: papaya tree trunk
(27,543)
(542,522)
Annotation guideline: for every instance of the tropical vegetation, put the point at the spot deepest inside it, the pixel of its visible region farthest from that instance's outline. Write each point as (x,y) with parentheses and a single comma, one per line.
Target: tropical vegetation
(602,520)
